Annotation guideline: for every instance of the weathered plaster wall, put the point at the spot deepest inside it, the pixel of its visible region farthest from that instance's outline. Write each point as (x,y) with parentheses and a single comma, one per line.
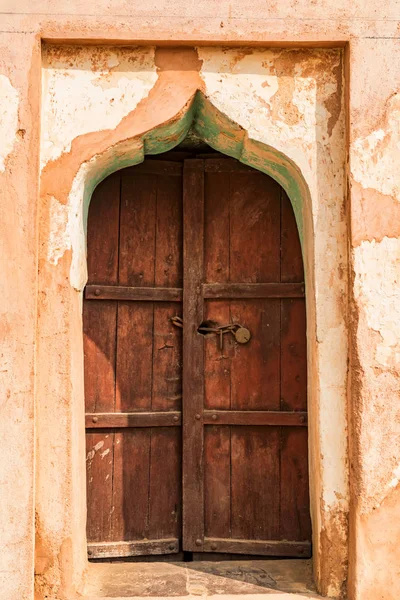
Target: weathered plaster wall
(371,31)
(288,100)
(375,397)
(19,130)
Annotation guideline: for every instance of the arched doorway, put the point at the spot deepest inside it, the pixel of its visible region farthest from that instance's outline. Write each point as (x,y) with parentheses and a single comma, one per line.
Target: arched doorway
(195,363)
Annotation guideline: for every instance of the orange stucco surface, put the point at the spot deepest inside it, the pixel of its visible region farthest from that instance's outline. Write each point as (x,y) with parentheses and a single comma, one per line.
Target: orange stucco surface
(369,36)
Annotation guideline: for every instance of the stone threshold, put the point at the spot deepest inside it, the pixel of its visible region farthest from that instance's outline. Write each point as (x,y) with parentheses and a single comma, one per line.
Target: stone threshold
(279,579)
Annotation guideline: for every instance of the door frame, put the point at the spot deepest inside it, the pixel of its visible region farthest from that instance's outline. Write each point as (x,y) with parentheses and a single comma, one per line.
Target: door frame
(60,288)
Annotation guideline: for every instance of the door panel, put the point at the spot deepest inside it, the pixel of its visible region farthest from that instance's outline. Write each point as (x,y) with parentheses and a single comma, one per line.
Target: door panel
(249,491)
(133,362)
(216,461)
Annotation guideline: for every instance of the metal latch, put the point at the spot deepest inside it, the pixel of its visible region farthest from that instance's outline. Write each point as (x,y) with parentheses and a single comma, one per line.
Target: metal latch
(241,334)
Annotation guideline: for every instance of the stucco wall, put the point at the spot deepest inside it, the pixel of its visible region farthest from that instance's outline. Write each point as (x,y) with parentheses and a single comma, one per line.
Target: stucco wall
(375,389)
(19,145)
(372,207)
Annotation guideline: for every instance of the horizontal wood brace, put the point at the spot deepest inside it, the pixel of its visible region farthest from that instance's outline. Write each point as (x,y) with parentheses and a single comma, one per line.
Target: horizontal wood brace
(210,291)
(258,547)
(255,417)
(134,548)
(139,294)
(253,290)
(132,419)
(156,167)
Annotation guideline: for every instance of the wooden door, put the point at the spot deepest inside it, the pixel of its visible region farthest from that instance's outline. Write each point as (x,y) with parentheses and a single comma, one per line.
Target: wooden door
(245,468)
(133,362)
(222,238)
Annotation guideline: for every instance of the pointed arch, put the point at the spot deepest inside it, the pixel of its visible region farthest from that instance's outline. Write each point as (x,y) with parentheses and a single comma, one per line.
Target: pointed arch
(220,133)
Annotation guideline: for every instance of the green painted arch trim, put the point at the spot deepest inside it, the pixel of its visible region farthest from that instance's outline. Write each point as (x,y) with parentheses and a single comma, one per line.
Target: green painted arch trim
(218,131)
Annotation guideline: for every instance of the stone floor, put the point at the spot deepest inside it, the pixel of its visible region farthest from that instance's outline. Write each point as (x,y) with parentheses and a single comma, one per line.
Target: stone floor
(282,579)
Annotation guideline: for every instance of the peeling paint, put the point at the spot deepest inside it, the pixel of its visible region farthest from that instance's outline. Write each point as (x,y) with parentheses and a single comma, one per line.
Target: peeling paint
(9,102)
(376,178)
(375,158)
(278,96)
(377,291)
(90,89)
(59,239)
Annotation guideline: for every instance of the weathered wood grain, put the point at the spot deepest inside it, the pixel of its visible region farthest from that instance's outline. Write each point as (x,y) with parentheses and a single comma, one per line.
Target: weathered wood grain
(193,361)
(132,294)
(116,420)
(255,417)
(252,290)
(257,547)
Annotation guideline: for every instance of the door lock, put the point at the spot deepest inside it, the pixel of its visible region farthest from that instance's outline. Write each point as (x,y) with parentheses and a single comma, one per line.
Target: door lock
(241,334)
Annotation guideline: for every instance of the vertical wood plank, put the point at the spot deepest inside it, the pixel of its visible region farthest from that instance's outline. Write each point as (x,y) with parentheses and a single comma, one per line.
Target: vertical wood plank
(292,269)
(193,366)
(293,317)
(99,465)
(99,322)
(218,363)
(136,267)
(165,472)
(255,370)
(216,227)
(168,250)
(167,342)
(103,232)
(216,269)
(138,229)
(167,359)
(255,483)
(134,356)
(217,393)
(293,355)
(99,327)
(295,523)
(255,257)
(130,512)
(165,483)
(217,481)
(254,228)
(99,344)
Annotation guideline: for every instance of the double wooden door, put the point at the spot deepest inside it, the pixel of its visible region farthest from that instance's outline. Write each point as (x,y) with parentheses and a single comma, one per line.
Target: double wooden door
(196,431)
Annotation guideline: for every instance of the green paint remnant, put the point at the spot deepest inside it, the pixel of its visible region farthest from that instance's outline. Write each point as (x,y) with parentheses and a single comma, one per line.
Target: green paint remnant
(226,136)
(220,133)
(169,135)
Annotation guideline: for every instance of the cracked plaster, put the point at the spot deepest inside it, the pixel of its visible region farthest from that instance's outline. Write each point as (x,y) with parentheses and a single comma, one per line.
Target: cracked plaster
(375,157)
(89,89)
(376,264)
